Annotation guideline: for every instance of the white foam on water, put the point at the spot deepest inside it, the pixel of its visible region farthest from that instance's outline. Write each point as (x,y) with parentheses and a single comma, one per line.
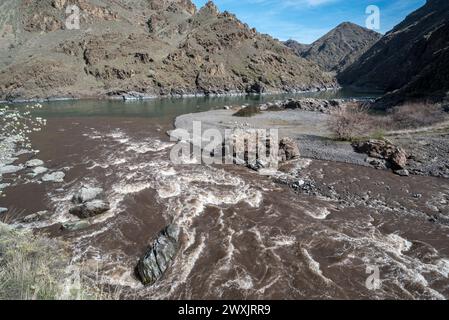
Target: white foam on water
(169,191)
(283,241)
(117,162)
(399,244)
(314,266)
(169,172)
(244,282)
(443,267)
(130,188)
(148,146)
(319,213)
(261,291)
(389,251)
(185,194)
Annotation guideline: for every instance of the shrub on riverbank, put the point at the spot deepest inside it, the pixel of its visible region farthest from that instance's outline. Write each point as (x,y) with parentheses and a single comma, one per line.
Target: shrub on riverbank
(416,115)
(355,121)
(350,122)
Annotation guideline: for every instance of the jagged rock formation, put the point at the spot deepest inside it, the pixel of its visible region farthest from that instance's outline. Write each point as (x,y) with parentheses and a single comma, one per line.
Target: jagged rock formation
(90,209)
(246,149)
(395,156)
(339,48)
(142,47)
(88,203)
(155,262)
(411,62)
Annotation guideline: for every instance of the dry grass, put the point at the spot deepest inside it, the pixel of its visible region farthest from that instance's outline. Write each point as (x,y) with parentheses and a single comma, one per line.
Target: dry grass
(417,115)
(35,267)
(13,214)
(32,268)
(354,121)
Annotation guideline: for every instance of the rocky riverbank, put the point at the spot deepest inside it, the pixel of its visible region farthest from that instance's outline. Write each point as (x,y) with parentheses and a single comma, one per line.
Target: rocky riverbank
(306,122)
(241,234)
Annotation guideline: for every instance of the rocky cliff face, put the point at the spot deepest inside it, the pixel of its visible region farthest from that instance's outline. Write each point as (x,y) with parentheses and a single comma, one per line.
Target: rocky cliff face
(339,48)
(411,61)
(148,47)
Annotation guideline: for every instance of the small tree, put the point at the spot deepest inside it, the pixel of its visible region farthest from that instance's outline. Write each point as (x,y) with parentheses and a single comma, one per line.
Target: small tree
(350,122)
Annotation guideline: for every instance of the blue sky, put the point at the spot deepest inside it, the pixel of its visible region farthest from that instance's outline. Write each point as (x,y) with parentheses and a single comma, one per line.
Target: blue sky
(307,20)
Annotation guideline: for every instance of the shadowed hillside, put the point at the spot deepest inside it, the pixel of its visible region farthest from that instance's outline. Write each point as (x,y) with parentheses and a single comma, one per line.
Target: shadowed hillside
(339,48)
(411,62)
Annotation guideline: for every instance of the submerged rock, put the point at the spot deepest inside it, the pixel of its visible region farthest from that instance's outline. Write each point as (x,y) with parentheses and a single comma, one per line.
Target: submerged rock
(39,170)
(402,173)
(77,225)
(38,216)
(34,163)
(86,194)
(57,176)
(10,169)
(4,185)
(90,209)
(159,257)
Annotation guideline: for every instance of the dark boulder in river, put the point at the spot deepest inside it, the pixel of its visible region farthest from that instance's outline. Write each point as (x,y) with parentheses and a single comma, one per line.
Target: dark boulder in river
(159,257)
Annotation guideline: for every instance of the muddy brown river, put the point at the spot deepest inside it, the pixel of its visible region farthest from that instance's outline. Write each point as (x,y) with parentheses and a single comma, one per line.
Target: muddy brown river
(244,236)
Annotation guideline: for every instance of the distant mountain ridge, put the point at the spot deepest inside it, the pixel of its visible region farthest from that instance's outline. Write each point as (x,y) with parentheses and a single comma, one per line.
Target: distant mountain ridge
(411,62)
(297,47)
(143,48)
(339,48)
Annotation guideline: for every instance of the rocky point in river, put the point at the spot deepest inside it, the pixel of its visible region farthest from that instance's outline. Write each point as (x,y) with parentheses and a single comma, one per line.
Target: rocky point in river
(411,61)
(141,48)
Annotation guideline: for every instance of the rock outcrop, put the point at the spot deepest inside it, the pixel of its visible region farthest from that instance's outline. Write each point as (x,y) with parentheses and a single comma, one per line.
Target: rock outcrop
(87,203)
(90,209)
(75,225)
(305,104)
(247,147)
(38,216)
(288,150)
(149,48)
(411,62)
(86,194)
(339,48)
(158,258)
(57,176)
(396,157)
